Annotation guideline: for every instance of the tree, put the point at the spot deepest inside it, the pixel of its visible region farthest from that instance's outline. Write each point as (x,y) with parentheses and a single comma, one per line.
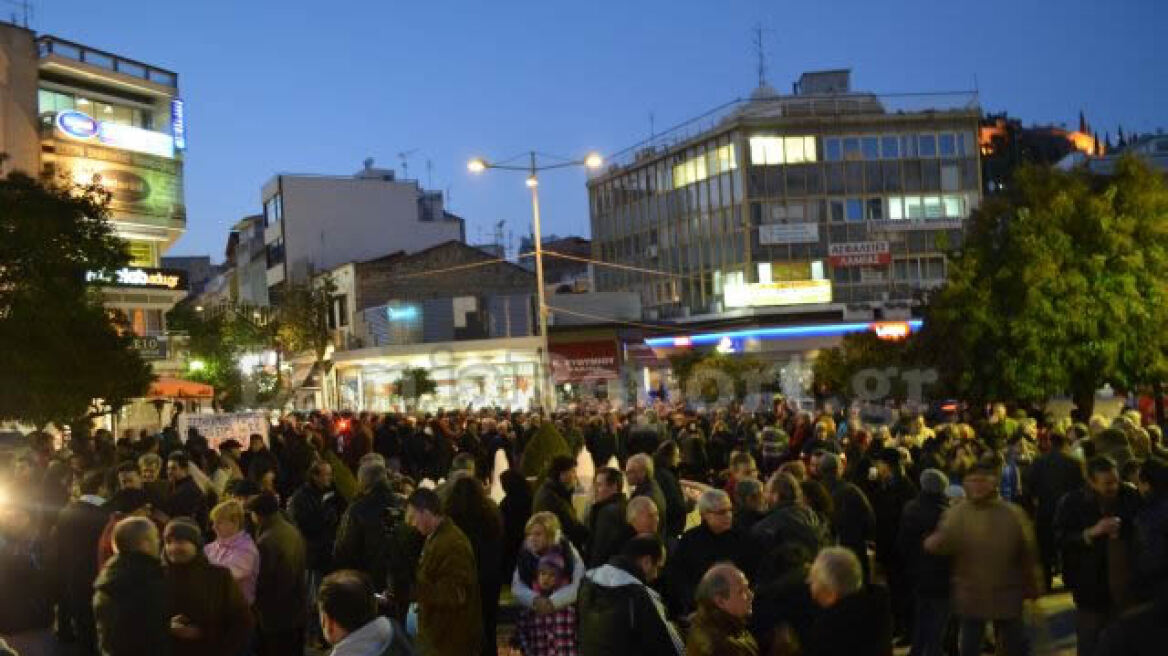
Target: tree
(415,383)
(302,317)
(65,357)
(837,371)
(707,373)
(544,445)
(217,340)
(1059,287)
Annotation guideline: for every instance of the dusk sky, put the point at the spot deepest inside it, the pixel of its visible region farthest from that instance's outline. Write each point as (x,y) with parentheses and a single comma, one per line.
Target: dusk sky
(316,87)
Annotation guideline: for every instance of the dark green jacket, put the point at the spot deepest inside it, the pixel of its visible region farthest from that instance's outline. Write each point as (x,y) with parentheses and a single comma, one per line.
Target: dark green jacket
(281,590)
(449,609)
(129,605)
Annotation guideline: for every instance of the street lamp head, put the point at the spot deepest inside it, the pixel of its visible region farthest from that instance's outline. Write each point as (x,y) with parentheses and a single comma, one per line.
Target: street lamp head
(198,308)
(476,165)
(532,181)
(594,161)
(197,365)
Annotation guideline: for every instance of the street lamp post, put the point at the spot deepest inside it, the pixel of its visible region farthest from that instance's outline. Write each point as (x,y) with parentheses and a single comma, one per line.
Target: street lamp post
(592,161)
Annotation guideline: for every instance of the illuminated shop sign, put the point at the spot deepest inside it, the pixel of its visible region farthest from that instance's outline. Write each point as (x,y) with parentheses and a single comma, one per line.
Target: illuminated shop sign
(80,126)
(786,292)
(859,253)
(734,338)
(133,189)
(141,277)
(178,124)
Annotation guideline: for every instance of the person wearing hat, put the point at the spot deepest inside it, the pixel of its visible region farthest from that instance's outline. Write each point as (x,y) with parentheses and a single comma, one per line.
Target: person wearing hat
(928,574)
(890,492)
(994,559)
(207,611)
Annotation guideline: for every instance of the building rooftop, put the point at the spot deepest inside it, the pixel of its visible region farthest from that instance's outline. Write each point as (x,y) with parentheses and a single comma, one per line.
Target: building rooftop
(817,95)
(48,45)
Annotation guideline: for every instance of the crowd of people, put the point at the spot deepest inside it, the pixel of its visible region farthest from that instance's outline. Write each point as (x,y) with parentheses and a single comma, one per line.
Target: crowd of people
(726,531)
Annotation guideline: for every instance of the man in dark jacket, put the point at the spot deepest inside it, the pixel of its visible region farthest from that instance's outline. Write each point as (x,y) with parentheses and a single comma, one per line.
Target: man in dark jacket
(281,593)
(715,540)
(642,483)
(129,599)
(853,521)
(789,537)
(1052,476)
(749,504)
(1094,528)
(643,437)
(855,620)
(373,536)
(606,518)
(185,498)
(316,510)
(79,529)
(619,612)
(555,496)
(892,490)
(665,474)
(208,612)
(928,573)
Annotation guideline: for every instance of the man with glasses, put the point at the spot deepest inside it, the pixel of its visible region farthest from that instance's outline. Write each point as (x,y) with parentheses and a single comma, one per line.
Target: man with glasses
(715,540)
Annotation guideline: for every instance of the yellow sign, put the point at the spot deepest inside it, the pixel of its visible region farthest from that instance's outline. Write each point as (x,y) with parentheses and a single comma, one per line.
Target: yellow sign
(787,292)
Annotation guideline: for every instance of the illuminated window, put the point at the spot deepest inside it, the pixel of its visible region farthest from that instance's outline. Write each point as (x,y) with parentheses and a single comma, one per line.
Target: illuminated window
(772,150)
(703,166)
(141,253)
(949,206)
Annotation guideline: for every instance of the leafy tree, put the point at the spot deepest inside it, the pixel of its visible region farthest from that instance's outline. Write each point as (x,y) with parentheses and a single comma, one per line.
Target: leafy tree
(302,317)
(415,383)
(835,370)
(65,357)
(218,338)
(709,371)
(1059,287)
(544,445)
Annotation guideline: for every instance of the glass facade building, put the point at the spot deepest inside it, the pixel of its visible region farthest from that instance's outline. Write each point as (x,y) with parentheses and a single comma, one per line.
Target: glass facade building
(790,203)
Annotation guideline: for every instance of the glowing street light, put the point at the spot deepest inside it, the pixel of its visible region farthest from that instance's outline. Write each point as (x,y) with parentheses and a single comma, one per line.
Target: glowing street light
(197,365)
(591,161)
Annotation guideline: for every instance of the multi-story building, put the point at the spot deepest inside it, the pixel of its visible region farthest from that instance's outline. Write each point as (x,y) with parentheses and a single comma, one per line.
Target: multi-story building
(313,223)
(818,207)
(825,196)
(89,116)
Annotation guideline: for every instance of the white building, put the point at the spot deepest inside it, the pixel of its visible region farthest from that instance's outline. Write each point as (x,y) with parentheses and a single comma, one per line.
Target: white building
(314,223)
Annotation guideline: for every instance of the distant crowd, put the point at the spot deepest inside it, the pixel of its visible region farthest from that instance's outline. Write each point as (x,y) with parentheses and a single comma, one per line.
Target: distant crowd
(703,532)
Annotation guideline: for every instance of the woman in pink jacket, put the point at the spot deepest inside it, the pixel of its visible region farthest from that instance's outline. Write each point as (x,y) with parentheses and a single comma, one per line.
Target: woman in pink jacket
(234,548)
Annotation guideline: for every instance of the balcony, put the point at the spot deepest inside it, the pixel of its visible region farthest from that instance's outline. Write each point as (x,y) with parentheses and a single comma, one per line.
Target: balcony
(48,45)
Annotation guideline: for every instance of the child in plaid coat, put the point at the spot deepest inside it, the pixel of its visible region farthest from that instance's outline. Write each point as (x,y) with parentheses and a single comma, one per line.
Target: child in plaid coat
(554,633)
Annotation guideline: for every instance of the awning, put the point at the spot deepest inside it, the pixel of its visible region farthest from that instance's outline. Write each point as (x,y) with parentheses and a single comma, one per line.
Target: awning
(177,388)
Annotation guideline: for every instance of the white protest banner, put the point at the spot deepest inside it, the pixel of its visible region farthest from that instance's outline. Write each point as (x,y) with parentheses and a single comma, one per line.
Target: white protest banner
(218,428)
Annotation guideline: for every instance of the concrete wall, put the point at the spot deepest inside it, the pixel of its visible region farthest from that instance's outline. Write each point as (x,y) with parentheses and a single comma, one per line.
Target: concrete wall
(384,280)
(19,137)
(329,221)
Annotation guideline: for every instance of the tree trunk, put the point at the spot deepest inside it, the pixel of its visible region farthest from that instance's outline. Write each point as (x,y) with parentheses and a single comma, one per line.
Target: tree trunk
(1084,399)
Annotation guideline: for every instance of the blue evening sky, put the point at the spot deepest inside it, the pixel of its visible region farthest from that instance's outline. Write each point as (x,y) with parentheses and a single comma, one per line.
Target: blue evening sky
(316,87)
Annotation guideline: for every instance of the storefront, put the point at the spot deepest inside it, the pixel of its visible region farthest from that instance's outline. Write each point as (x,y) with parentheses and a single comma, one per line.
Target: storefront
(585,369)
(473,373)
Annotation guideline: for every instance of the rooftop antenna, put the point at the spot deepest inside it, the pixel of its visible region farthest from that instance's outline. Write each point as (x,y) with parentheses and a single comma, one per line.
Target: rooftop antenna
(760,51)
(26,11)
(499,237)
(429,174)
(405,162)
(652,125)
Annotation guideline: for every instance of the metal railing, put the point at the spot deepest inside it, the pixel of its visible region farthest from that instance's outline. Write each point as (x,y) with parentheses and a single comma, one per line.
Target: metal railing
(791,107)
(51,45)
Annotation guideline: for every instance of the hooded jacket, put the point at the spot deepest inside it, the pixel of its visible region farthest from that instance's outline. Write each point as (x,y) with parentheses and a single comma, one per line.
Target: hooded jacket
(619,614)
(129,605)
(380,637)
